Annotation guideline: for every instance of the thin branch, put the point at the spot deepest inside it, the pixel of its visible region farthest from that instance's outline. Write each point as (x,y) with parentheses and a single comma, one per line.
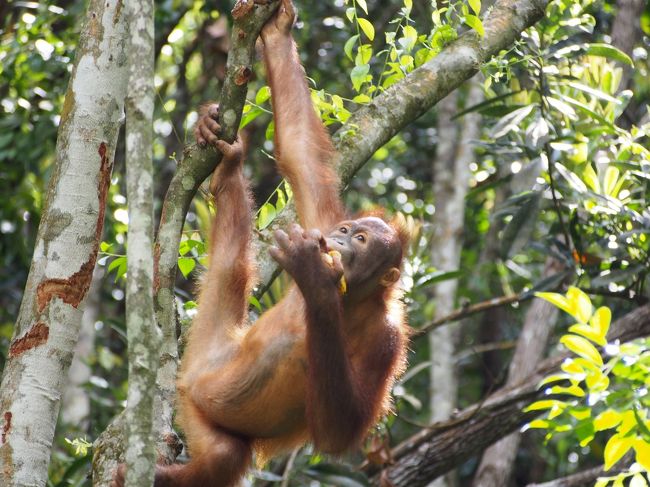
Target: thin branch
(473,309)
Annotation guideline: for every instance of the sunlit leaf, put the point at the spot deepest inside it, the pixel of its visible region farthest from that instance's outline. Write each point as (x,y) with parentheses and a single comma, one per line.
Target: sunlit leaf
(263,94)
(601,319)
(266,215)
(475,23)
(363,5)
(581,303)
(610,52)
(358,75)
(607,419)
(556,299)
(610,181)
(589,333)
(544,404)
(638,480)
(186,265)
(642,449)
(475,5)
(349,45)
(367,28)
(571,390)
(582,347)
(616,447)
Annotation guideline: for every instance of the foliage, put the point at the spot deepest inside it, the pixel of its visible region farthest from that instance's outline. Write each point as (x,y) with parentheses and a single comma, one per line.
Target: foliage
(599,389)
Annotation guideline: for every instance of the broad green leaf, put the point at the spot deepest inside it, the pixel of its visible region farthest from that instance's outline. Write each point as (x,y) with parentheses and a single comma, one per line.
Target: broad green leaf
(366,27)
(255,302)
(596,93)
(408,4)
(475,23)
(349,45)
(601,483)
(475,5)
(582,347)
(358,75)
(580,413)
(590,177)
(607,419)
(589,333)
(642,449)
(263,94)
(610,52)
(186,265)
(545,404)
(362,99)
(409,37)
(104,246)
(363,5)
(266,215)
(616,447)
(350,13)
(511,121)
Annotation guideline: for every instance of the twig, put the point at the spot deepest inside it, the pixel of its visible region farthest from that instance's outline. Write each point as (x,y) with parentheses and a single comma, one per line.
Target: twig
(473,309)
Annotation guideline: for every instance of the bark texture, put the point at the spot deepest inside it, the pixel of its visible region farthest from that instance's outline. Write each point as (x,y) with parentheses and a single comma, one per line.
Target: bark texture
(498,460)
(142,332)
(443,446)
(66,249)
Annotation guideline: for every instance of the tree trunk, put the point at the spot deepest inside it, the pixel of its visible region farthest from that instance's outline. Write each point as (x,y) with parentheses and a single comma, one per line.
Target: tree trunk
(66,249)
(142,332)
(454,151)
(497,462)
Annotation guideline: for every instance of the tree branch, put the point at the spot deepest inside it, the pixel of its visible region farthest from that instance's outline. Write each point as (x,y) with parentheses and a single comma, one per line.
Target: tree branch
(445,445)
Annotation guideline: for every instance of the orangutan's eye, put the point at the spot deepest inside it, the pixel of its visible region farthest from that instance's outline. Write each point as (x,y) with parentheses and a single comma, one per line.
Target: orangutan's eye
(360,238)
(343,230)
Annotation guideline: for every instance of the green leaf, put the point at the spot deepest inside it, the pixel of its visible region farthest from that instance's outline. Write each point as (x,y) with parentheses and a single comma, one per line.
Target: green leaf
(638,480)
(607,419)
(611,180)
(615,449)
(350,13)
(601,319)
(358,75)
(186,265)
(104,246)
(582,347)
(545,404)
(255,302)
(571,177)
(266,215)
(581,303)
(475,23)
(349,45)
(553,378)
(610,52)
(511,121)
(409,37)
(642,449)
(562,107)
(589,333)
(263,94)
(556,299)
(362,99)
(366,27)
(363,5)
(520,228)
(571,390)
(475,5)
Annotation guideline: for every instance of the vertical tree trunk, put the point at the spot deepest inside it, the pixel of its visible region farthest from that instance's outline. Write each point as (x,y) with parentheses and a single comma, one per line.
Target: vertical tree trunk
(451,176)
(66,249)
(142,332)
(498,460)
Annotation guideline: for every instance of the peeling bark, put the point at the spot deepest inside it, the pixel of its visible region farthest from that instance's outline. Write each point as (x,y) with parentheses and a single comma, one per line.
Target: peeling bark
(66,249)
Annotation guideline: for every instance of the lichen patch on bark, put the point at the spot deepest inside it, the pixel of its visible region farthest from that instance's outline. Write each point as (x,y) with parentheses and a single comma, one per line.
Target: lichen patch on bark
(35,337)
(243,75)
(73,289)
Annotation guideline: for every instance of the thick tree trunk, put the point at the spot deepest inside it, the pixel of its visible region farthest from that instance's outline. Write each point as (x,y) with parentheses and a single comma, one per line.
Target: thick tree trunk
(497,462)
(66,249)
(142,332)
(455,151)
